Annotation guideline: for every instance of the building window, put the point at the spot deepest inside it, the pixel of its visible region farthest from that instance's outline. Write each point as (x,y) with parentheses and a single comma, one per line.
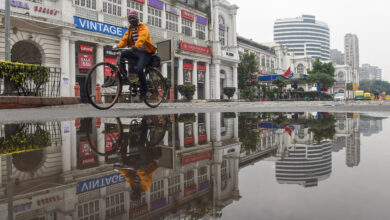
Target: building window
(115,205)
(263,61)
(222,28)
(112,7)
(154,17)
(136,6)
(201,31)
(172,22)
(202,175)
(340,74)
(300,69)
(272,66)
(189,179)
(86,3)
(174,184)
(157,190)
(88,210)
(186,27)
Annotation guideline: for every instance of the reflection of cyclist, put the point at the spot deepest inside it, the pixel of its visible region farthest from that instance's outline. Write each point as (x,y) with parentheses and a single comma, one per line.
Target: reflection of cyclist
(139,164)
(137,37)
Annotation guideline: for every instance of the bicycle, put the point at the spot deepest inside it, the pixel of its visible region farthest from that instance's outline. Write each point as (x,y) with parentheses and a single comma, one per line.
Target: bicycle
(107,94)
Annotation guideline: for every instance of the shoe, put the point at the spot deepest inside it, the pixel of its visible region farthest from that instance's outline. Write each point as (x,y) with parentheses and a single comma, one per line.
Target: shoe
(145,95)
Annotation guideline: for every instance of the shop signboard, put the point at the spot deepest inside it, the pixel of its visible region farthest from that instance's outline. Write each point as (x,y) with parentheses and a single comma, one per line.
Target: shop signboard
(190,190)
(140,1)
(19,4)
(172,9)
(187,15)
(354,87)
(188,72)
(204,185)
(111,139)
(86,157)
(157,4)
(188,134)
(158,204)
(86,49)
(22,207)
(202,135)
(99,27)
(98,183)
(201,20)
(107,69)
(48,199)
(194,48)
(201,73)
(134,213)
(196,157)
(85,61)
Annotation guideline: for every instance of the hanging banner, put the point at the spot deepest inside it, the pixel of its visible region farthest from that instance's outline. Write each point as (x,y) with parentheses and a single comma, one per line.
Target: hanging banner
(187,68)
(201,73)
(196,157)
(188,134)
(157,4)
(201,20)
(194,48)
(107,69)
(202,134)
(85,61)
(111,139)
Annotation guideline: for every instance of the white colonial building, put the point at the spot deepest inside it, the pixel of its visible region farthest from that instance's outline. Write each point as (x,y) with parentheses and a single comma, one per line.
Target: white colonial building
(60,33)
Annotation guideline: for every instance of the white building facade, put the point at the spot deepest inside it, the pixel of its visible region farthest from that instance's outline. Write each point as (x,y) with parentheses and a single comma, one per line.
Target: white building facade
(61,33)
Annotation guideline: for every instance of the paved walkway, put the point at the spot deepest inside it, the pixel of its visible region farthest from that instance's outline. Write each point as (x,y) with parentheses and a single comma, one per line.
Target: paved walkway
(137,109)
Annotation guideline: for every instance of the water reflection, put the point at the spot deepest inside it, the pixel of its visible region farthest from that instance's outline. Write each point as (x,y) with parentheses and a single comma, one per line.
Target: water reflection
(164,166)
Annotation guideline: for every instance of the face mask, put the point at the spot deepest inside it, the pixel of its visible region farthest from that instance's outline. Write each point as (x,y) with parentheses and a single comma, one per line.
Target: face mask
(134,23)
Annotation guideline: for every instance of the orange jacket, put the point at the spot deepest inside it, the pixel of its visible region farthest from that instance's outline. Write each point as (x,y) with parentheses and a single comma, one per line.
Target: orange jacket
(143,38)
(146,176)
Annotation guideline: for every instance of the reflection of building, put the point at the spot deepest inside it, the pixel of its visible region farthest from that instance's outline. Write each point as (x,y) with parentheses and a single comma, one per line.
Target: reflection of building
(370,125)
(202,167)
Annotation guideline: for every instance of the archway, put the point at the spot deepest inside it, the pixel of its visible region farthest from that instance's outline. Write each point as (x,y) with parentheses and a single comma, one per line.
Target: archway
(26,52)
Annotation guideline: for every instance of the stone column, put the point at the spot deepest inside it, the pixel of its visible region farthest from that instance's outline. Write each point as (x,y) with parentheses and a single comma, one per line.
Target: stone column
(99,58)
(235,80)
(72,66)
(207,82)
(195,79)
(180,80)
(195,130)
(73,145)
(164,70)
(181,135)
(166,138)
(64,62)
(65,147)
(208,125)
(217,81)
(236,127)
(101,142)
(233,29)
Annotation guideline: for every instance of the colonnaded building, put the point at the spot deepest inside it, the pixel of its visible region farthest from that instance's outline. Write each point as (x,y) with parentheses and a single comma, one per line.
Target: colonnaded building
(59,34)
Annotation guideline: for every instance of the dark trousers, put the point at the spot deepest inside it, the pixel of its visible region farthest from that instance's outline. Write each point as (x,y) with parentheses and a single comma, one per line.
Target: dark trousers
(142,59)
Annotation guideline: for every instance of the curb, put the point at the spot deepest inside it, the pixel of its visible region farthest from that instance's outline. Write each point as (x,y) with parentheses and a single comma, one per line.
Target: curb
(10,102)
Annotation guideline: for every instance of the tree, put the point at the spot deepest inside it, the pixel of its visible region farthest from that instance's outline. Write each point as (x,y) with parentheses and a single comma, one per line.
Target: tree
(229,91)
(323,128)
(322,74)
(374,86)
(248,66)
(280,83)
(186,90)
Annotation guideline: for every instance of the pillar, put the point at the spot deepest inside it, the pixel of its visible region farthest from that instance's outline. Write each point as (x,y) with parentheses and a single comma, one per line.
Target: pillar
(235,80)
(101,142)
(164,70)
(180,80)
(72,67)
(236,126)
(195,79)
(166,139)
(217,81)
(65,147)
(207,81)
(208,127)
(181,135)
(99,58)
(195,130)
(64,62)
(73,145)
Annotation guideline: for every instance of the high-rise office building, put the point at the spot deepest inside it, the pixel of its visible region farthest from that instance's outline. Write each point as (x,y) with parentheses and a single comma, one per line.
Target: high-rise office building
(304,36)
(368,72)
(351,50)
(337,57)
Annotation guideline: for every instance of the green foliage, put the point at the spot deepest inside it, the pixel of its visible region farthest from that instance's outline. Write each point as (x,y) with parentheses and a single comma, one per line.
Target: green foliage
(248,65)
(322,74)
(227,115)
(186,90)
(229,91)
(280,83)
(19,74)
(248,136)
(323,128)
(23,141)
(374,86)
(186,118)
(248,92)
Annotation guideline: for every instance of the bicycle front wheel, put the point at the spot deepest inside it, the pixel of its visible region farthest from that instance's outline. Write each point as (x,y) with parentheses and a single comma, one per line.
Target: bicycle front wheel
(156,87)
(103,85)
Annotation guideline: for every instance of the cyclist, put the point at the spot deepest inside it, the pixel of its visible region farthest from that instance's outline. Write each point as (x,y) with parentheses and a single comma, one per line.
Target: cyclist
(137,37)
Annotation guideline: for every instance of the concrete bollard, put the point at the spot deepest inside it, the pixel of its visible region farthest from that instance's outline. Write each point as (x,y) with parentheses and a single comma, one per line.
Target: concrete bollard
(98,93)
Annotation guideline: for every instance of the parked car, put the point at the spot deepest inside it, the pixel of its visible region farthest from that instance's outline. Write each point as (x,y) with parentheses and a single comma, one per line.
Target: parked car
(339,97)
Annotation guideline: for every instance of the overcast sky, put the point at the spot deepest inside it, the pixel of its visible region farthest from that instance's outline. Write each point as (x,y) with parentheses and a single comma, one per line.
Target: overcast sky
(368,19)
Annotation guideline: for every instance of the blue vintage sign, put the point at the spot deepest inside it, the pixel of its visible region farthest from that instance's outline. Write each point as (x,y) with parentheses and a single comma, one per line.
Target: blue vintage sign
(96,26)
(101,182)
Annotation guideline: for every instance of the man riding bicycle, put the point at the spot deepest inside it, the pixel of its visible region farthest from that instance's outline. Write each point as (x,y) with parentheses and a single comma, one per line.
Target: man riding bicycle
(137,37)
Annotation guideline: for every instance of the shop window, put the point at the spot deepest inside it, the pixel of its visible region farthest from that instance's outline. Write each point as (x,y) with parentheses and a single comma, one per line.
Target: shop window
(154,17)
(201,31)
(272,66)
(112,7)
(174,184)
(86,3)
(263,61)
(202,175)
(186,27)
(268,62)
(115,205)
(89,210)
(172,22)
(157,190)
(136,6)
(300,69)
(189,179)
(222,28)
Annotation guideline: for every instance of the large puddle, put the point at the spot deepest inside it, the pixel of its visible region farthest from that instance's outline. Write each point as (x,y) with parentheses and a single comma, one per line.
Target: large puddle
(197,166)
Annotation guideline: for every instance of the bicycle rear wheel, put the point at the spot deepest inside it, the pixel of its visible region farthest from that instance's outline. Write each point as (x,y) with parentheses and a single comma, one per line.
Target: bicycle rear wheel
(156,86)
(105,95)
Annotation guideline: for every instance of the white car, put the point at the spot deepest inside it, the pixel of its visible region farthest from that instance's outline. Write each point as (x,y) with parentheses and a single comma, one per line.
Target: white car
(339,97)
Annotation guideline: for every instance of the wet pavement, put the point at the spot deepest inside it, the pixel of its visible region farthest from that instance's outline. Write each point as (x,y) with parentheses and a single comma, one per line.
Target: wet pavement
(227,165)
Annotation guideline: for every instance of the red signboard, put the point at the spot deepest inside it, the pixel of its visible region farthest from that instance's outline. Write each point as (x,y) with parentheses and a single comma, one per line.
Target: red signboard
(87,49)
(202,138)
(187,15)
(195,48)
(85,61)
(140,1)
(107,69)
(110,140)
(188,66)
(85,150)
(201,68)
(139,211)
(44,10)
(190,190)
(88,161)
(197,157)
